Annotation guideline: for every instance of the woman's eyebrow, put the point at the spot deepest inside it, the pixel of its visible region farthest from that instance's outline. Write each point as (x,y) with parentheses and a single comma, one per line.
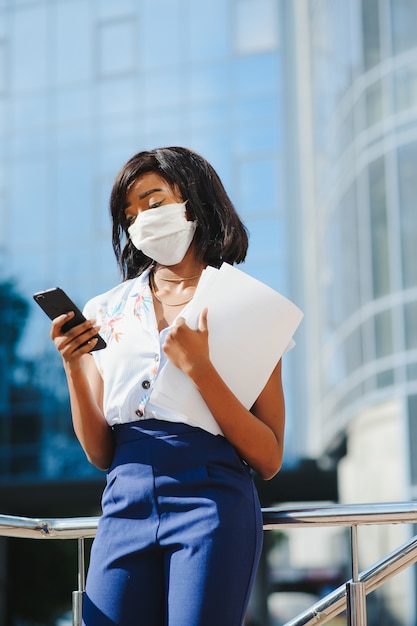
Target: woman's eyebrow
(147,193)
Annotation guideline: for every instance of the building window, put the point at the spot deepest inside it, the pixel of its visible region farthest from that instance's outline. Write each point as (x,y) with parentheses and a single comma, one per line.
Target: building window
(405,87)
(370,33)
(374,103)
(403,20)
(385,379)
(412,371)
(256,26)
(354,351)
(379,229)
(407,180)
(29,49)
(412,420)
(255,175)
(410,314)
(349,285)
(383,334)
(116,47)
(3,66)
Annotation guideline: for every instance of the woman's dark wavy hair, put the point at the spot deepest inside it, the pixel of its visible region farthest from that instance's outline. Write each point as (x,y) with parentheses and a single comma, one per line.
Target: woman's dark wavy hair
(220,234)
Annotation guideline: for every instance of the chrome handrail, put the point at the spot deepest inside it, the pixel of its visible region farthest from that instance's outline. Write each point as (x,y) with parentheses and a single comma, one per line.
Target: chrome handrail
(350,596)
(273,517)
(340,515)
(38,528)
(336,601)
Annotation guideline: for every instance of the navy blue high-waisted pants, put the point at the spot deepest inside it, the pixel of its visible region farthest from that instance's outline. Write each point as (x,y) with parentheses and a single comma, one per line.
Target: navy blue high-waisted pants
(180,537)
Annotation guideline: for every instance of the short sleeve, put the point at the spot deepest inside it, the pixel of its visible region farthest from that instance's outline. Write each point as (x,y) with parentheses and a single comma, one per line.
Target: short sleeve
(90,309)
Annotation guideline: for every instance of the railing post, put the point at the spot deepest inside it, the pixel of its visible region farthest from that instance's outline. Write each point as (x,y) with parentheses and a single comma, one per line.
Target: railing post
(355,590)
(77,596)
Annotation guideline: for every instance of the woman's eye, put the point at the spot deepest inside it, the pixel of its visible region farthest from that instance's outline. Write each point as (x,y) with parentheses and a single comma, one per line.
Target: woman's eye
(155,205)
(130,219)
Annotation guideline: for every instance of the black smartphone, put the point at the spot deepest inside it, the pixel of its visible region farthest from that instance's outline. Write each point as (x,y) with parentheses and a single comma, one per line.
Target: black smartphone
(55,302)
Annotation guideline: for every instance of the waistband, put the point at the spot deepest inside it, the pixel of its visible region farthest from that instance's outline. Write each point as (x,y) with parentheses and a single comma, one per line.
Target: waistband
(158,428)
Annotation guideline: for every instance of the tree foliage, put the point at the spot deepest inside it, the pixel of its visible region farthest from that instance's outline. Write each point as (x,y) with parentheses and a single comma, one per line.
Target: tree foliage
(14,310)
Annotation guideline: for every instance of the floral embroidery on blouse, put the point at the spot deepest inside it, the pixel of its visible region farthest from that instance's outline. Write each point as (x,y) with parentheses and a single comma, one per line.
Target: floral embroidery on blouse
(109,320)
(142,304)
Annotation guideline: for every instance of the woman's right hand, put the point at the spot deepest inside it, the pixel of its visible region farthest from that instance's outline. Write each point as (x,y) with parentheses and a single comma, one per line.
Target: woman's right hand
(70,344)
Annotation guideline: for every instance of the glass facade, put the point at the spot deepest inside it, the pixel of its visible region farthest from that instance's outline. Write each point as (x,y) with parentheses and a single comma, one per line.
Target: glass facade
(84,84)
(363,60)
(362,292)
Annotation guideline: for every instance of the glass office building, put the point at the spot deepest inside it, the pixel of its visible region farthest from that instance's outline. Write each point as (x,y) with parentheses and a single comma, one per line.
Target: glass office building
(359,69)
(84,84)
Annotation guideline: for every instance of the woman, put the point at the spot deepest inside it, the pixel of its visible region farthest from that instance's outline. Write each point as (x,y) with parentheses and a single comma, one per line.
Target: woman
(181,532)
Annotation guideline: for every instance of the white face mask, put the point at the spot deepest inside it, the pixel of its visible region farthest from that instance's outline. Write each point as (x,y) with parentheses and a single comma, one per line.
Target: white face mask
(164,234)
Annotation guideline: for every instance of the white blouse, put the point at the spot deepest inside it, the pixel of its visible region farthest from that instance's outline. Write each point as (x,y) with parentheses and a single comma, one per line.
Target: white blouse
(133,358)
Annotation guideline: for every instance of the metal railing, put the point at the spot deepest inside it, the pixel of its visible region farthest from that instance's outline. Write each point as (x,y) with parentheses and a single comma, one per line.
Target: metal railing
(350,597)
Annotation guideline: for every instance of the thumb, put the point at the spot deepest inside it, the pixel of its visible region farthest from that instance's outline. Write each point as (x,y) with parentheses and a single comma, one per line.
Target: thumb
(202,322)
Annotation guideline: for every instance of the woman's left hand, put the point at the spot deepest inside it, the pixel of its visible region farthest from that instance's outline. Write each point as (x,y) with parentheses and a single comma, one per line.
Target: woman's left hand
(258,433)
(187,348)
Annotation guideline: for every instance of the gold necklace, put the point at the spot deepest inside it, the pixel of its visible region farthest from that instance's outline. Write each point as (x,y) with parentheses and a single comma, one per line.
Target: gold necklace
(179,280)
(153,290)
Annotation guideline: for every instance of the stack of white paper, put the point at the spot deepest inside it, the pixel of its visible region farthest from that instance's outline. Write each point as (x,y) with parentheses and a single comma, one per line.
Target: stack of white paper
(250,325)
